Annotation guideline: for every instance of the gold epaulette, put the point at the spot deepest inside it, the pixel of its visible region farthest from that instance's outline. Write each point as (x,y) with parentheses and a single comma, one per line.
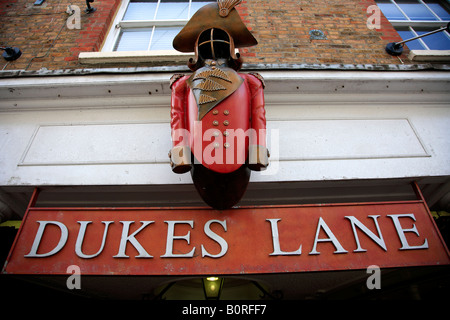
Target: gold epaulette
(175,78)
(260,78)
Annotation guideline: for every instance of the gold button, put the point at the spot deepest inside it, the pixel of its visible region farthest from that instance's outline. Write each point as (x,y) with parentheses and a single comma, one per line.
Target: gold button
(226,145)
(213,63)
(226,112)
(226,133)
(215,112)
(215,123)
(216,133)
(216,145)
(226,123)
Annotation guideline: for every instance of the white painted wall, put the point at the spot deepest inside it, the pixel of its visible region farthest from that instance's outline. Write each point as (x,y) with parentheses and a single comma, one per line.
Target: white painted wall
(327,125)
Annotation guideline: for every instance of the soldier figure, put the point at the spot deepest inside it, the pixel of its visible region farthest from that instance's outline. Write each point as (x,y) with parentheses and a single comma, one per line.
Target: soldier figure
(217,115)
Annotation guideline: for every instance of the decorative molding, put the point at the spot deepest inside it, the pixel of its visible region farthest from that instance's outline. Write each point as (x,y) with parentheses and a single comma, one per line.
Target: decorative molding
(344,139)
(97,144)
(429,55)
(133,57)
(282,87)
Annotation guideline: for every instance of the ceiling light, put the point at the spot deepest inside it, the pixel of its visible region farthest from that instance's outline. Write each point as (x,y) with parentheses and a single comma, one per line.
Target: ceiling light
(212,287)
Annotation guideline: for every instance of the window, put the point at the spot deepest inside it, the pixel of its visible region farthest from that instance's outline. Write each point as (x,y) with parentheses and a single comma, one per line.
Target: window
(412,18)
(149,25)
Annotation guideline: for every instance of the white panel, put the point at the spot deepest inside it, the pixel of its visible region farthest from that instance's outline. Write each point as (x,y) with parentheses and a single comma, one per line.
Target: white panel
(288,141)
(113,129)
(344,139)
(98,144)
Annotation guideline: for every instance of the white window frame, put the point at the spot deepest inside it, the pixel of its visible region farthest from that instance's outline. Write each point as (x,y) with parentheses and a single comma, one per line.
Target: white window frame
(107,55)
(410,24)
(119,25)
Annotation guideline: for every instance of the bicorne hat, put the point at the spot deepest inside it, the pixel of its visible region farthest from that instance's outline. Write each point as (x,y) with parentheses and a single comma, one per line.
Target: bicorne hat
(220,15)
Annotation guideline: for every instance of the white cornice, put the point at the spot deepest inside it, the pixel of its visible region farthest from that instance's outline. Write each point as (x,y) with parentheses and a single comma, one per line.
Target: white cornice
(152,89)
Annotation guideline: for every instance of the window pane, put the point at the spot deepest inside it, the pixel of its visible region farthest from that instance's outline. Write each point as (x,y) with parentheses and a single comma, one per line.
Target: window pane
(197,4)
(438,9)
(163,38)
(415,10)
(141,10)
(412,45)
(390,11)
(169,9)
(437,41)
(131,40)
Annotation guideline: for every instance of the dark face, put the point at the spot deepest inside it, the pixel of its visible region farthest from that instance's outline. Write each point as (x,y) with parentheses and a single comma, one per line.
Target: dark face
(214,44)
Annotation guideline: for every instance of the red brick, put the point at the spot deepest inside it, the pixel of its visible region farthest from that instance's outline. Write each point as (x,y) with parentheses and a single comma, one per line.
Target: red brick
(281,27)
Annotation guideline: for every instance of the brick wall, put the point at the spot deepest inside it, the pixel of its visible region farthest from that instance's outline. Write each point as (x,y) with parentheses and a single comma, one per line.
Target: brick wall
(281,27)
(42,34)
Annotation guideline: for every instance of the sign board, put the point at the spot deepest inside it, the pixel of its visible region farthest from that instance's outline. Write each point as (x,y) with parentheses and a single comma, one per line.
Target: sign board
(202,241)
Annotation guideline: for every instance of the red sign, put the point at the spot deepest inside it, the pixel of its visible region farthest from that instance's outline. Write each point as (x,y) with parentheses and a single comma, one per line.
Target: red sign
(270,239)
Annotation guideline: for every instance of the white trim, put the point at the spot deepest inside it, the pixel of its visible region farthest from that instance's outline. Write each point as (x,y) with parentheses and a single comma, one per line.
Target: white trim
(118,25)
(400,9)
(411,24)
(133,56)
(422,23)
(422,42)
(114,30)
(145,159)
(302,78)
(151,23)
(151,90)
(418,98)
(431,10)
(409,20)
(429,55)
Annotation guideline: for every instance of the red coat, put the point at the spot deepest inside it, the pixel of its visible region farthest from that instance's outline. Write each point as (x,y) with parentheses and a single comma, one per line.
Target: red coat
(228,122)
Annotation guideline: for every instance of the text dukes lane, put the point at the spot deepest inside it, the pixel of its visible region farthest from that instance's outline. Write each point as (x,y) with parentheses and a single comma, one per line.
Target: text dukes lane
(216,235)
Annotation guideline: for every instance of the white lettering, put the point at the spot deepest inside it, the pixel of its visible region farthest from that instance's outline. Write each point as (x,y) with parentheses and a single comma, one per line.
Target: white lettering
(212,154)
(237,139)
(37,240)
(401,231)
(74,20)
(374,21)
(171,237)
(221,241)
(131,238)
(274,147)
(377,239)
(205,145)
(374,281)
(197,142)
(276,241)
(182,137)
(80,239)
(199,310)
(241,309)
(331,237)
(74,281)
